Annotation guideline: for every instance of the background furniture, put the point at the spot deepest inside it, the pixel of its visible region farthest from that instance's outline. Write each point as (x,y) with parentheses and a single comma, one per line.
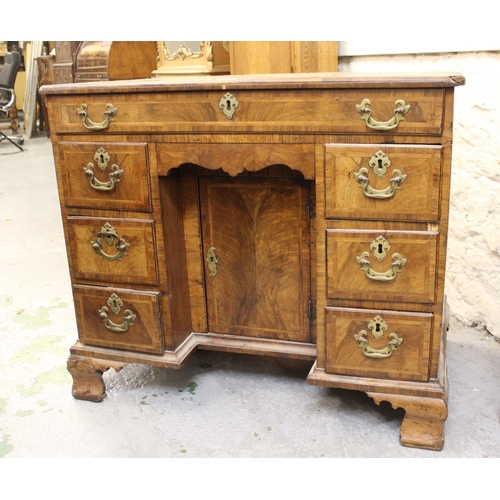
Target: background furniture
(64,64)
(283,57)
(115,60)
(45,77)
(181,58)
(8,108)
(288,215)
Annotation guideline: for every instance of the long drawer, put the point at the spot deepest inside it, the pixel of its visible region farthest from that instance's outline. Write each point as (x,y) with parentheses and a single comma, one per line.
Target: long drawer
(390,266)
(378,344)
(112,250)
(118,318)
(402,111)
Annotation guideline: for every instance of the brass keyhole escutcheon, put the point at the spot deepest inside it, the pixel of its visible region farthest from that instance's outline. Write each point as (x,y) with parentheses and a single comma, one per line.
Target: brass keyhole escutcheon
(377,326)
(380,246)
(379,162)
(228,104)
(102,158)
(212,261)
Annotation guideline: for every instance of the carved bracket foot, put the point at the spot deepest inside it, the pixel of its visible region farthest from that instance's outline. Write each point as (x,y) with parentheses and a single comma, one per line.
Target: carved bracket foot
(88,383)
(423,425)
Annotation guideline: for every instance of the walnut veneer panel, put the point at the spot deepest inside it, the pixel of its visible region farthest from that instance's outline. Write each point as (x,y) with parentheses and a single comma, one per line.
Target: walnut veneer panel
(142,334)
(413,196)
(135,264)
(259,231)
(408,361)
(318,111)
(413,282)
(275,234)
(131,189)
(237,158)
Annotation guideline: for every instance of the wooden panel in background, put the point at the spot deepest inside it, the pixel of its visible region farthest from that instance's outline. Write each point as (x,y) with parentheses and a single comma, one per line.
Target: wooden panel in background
(260,57)
(314,57)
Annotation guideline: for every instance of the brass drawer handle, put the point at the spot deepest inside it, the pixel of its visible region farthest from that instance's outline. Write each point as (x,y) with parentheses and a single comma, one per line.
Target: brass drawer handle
(212,261)
(109,116)
(377,353)
(102,158)
(128,316)
(395,183)
(108,234)
(380,246)
(399,112)
(379,162)
(377,326)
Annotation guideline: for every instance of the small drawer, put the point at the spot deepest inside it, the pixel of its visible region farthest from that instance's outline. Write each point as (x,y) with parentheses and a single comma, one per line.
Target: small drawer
(388,266)
(119,319)
(112,250)
(382,182)
(378,344)
(105,175)
(233,110)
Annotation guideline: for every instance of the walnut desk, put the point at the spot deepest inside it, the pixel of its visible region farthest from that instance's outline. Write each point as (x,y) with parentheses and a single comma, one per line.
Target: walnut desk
(300,215)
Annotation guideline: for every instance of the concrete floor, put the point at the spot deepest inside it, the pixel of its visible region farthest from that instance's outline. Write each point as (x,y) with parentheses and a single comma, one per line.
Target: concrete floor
(218,405)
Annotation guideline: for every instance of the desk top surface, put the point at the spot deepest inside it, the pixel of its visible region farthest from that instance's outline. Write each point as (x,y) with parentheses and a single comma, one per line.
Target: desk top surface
(294,81)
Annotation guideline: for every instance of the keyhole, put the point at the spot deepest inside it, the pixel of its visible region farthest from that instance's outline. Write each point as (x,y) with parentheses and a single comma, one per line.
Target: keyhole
(228,105)
(102,158)
(377,327)
(380,249)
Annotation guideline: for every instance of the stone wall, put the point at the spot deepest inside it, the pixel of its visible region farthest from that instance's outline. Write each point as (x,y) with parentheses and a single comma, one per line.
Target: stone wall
(473,265)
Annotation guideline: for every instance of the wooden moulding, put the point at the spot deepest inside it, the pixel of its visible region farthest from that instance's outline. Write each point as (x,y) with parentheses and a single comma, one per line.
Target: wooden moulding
(86,364)
(423,425)
(425,403)
(88,383)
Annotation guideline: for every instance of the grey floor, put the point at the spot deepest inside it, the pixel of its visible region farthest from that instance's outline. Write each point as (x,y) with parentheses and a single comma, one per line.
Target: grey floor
(218,405)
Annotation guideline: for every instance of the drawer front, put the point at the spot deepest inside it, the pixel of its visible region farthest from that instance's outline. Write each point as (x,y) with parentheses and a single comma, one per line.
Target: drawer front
(383,182)
(113,250)
(392,266)
(363,111)
(378,344)
(117,318)
(105,175)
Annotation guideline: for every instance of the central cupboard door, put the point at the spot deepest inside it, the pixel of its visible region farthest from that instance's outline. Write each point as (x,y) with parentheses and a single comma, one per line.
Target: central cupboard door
(256,247)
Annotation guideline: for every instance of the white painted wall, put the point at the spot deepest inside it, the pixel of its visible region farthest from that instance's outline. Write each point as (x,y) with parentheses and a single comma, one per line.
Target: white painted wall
(473,265)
